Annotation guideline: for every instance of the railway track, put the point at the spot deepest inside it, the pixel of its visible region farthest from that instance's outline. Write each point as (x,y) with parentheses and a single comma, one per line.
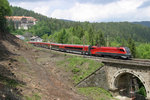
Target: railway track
(135,61)
(108,59)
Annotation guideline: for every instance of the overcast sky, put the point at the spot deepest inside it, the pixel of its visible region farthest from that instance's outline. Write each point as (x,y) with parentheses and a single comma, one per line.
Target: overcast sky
(90,10)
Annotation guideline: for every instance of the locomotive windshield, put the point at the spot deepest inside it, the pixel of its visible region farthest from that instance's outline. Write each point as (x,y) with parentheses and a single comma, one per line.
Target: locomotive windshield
(127,50)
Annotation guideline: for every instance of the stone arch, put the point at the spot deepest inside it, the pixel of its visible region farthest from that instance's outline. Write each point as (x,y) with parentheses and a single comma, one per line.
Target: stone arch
(125,71)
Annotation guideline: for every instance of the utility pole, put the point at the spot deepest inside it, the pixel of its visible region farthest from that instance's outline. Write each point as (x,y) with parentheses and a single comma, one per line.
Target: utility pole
(83,46)
(51,41)
(107,40)
(72,40)
(50,44)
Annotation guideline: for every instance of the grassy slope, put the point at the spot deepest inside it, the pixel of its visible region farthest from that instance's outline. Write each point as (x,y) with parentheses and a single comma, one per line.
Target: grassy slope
(80,68)
(96,93)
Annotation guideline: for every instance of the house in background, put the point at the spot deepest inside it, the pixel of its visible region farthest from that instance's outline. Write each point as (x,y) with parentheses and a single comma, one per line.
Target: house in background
(36,39)
(20,37)
(22,22)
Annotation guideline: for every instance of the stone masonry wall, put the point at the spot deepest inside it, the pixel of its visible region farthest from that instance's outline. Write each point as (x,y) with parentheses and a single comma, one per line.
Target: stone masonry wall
(96,79)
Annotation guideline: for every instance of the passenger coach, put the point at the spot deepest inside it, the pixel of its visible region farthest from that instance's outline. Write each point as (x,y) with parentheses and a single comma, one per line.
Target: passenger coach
(115,52)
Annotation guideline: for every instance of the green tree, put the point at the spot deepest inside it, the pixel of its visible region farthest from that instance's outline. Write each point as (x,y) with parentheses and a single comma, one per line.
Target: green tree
(143,51)
(61,36)
(19,31)
(123,42)
(74,40)
(80,32)
(99,39)
(5,10)
(132,47)
(142,91)
(11,26)
(45,37)
(91,36)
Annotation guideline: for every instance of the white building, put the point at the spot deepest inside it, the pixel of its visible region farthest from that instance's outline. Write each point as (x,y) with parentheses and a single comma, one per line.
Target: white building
(36,39)
(22,22)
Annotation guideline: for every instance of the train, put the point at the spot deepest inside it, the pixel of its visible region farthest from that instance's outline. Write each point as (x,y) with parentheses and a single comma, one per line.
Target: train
(115,52)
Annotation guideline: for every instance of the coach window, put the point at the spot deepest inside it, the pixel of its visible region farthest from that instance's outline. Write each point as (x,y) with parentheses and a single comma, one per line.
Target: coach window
(92,48)
(122,50)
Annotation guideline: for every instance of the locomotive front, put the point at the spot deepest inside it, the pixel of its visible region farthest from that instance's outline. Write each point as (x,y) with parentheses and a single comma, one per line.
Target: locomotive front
(127,54)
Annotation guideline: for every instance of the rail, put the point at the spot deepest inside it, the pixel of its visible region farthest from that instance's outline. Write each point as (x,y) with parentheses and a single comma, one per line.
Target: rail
(133,61)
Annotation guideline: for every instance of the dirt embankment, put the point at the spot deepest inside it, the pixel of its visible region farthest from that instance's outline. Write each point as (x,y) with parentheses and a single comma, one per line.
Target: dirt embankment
(31,74)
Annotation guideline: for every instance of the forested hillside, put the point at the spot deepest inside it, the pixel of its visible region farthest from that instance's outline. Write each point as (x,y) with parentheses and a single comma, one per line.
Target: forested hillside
(145,23)
(115,31)
(134,36)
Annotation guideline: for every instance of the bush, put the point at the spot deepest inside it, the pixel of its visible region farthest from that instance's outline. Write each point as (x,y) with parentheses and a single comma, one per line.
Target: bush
(143,51)
(4,11)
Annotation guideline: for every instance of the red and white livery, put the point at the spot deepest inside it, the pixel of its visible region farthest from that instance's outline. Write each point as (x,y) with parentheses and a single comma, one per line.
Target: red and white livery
(116,52)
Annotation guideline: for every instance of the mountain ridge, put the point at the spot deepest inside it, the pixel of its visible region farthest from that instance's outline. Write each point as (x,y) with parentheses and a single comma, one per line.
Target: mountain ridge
(144,23)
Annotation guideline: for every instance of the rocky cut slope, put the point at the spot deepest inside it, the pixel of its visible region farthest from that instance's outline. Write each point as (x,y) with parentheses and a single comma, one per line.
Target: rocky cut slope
(24,75)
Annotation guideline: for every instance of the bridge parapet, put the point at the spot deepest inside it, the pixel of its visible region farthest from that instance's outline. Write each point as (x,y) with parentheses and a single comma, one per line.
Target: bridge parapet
(113,75)
(116,69)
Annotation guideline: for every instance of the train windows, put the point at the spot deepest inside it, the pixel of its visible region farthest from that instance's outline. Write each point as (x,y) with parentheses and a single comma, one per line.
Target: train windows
(122,50)
(92,48)
(55,46)
(73,48)
(78,48)
(69,47)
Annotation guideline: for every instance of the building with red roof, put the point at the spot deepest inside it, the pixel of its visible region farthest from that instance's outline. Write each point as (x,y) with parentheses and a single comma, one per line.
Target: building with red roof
(22,22)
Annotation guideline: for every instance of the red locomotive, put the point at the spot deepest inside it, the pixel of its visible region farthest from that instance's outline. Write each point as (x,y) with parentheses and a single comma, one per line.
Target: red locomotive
(116,52)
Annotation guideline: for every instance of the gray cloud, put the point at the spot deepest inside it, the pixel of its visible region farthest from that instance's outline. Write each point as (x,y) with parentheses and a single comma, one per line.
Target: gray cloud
(26,0)
(81,1)
(89,10)
(97,1)
(145,4)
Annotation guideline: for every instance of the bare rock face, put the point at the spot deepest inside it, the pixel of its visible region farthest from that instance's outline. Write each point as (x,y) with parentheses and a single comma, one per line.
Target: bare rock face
(27,74)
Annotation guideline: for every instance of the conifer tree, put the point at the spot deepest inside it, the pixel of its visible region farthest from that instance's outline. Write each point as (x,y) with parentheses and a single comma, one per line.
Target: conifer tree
(61,36)
(91,36)
(5,10)
(99,39)
(132,47)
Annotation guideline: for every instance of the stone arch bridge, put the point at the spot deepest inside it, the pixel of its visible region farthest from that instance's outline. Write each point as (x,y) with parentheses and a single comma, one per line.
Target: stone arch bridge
(120,77)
